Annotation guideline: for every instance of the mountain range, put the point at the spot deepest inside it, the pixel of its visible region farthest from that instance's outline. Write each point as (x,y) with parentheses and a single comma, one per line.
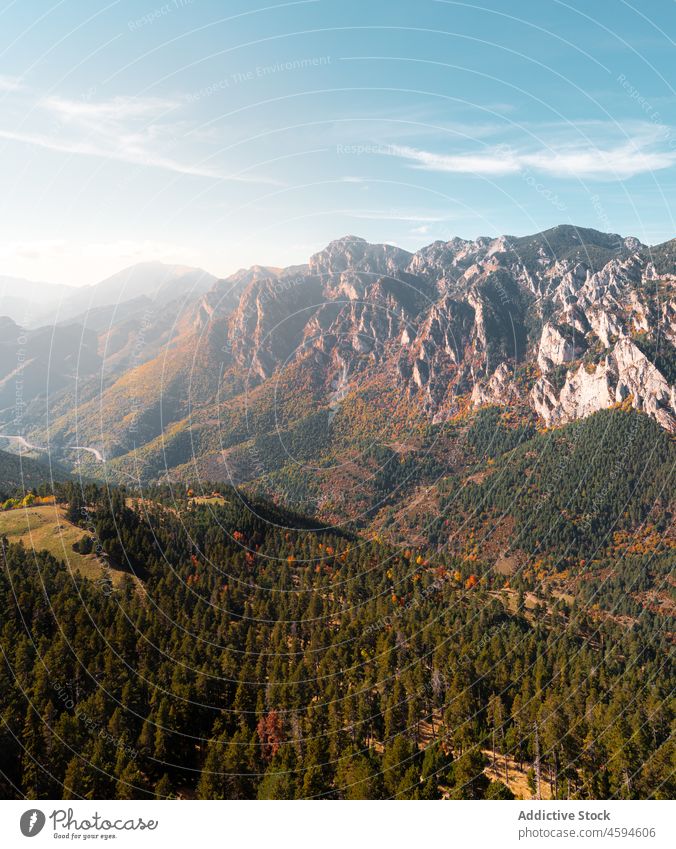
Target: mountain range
(292,380)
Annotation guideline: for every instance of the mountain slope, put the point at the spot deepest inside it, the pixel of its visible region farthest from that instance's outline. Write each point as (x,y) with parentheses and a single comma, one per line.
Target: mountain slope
(35,363)
(312,663)
(19,473)
(276,377)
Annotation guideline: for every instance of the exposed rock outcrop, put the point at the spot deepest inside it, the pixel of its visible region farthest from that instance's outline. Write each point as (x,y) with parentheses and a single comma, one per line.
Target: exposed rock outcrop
(626,373)
(459,317)
(556,347)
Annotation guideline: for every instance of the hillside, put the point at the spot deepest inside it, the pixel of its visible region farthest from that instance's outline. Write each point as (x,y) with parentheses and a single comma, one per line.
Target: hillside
(46,528)
(18,474)
(25,300)
(266,659)
(55,360)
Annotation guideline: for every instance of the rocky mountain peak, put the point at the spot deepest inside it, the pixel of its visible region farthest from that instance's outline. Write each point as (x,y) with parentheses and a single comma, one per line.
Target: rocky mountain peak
(464,317)
(356,254)
(559,324)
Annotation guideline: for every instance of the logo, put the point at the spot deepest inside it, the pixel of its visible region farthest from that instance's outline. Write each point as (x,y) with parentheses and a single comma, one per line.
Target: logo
(32,822)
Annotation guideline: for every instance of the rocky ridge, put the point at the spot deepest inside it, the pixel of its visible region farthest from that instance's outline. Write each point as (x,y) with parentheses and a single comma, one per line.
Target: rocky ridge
(555,326)
(462,320)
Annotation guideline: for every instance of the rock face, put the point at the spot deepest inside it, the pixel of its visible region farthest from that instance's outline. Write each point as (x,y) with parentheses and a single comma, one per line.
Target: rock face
(352,254)
(565,322)
(556,347)
(585,392)
(626,373)
(639,378)
(593,313)
(498,389)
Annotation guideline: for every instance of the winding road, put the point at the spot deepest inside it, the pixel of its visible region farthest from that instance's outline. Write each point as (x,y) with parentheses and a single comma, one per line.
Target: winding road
(29,447)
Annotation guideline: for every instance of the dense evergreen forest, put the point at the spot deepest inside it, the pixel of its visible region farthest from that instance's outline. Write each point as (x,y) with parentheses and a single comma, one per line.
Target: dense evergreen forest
(571,489)
(246,653)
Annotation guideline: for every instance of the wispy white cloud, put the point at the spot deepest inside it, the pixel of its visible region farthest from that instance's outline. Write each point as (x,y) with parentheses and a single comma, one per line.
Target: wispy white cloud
(641,153)
(127,151)
(123,129)
(116,109)
(494,162)
(614,163)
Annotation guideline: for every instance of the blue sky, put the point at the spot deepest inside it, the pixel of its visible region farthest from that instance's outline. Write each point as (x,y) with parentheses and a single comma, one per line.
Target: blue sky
(223,134)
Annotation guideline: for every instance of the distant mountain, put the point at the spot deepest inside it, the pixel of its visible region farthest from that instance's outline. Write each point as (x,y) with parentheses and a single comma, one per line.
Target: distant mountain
(103,318)
(66,354)
(156,281)
(24,300)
